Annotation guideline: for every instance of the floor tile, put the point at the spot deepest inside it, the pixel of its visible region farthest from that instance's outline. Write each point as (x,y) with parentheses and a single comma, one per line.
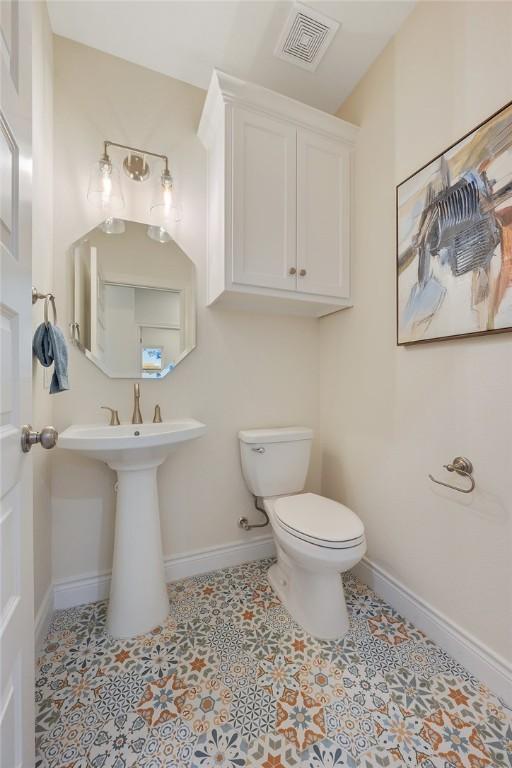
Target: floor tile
(230,680)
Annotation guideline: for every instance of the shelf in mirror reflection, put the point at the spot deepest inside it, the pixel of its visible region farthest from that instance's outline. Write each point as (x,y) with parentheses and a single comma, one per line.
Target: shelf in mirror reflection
(134,300)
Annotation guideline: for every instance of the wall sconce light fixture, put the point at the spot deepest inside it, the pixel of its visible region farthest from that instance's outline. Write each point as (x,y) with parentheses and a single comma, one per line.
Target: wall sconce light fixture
(105,186)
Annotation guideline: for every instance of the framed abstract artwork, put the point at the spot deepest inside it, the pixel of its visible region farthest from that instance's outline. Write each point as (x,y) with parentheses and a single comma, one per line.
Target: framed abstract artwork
(454,239)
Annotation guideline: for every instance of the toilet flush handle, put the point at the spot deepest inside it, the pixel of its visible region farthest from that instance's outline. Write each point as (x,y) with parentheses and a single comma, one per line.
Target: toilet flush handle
(260,449)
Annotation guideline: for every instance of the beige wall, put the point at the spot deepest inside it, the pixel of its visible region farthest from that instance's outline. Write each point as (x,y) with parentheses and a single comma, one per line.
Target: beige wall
(247,371)
(42,274)
(389,416)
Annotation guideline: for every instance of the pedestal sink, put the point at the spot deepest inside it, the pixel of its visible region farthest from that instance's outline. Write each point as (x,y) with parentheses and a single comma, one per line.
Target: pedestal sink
(138,594)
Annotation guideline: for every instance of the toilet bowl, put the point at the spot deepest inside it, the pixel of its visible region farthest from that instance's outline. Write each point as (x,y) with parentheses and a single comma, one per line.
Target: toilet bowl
(316,538)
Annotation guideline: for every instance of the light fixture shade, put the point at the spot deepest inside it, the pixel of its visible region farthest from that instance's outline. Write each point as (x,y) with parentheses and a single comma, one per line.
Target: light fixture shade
(160,234)
(176,213)
(163,209)
(104,186)
(113,226)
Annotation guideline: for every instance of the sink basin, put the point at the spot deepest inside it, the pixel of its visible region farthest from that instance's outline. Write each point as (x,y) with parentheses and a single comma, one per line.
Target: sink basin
(130,445)
(138,594)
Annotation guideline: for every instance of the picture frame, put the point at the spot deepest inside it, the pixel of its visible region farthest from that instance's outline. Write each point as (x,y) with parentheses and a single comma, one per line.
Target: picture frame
(454,239)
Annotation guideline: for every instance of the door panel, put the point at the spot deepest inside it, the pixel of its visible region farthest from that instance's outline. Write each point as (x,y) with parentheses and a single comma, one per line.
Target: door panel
(323,216)
(264,201)
(10,38)
(16,578)
(9,187)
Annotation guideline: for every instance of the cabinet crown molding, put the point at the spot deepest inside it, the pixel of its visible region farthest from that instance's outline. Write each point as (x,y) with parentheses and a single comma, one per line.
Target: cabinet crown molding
(225,89)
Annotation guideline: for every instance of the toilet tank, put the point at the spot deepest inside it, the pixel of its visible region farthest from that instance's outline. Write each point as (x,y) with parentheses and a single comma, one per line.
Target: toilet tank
(275,461)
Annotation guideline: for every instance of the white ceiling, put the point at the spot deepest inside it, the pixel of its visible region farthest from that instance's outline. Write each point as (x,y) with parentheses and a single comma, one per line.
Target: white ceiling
(186,39)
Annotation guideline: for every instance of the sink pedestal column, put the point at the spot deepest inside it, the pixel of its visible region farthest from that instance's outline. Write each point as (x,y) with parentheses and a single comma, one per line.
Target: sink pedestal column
(138,594)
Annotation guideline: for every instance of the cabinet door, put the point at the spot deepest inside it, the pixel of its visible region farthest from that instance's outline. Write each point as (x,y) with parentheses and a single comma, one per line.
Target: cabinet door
(323,201)
(264,201)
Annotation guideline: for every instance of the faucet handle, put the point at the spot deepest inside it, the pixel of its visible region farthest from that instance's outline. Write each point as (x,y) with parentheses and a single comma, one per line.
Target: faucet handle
(114,416)
(157,418)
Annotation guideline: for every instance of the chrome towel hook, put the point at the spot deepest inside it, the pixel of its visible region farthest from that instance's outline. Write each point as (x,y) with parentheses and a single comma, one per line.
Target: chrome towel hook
(462,467)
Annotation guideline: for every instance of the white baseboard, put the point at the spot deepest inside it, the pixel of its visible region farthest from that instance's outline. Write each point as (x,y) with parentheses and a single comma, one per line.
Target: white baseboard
(214,558)
(81,589)
(92,587)
(42,620)
(479,659)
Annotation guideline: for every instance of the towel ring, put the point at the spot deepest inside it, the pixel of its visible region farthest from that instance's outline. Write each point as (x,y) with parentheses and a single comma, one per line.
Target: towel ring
(36,296)
(50,298)
(462,467)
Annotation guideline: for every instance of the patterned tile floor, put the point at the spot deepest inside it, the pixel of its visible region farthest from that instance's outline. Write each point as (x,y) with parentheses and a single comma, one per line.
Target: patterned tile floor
(230,681)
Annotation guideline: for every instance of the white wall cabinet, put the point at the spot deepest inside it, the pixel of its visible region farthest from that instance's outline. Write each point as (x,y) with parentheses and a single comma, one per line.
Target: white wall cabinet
(278,201)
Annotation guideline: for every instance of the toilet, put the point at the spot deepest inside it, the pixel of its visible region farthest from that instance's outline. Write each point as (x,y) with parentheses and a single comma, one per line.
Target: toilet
(316,538)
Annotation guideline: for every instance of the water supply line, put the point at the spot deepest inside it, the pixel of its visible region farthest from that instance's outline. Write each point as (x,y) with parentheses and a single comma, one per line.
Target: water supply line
(244,523)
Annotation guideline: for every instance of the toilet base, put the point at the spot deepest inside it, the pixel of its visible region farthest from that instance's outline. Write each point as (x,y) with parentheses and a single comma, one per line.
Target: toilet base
(314,599)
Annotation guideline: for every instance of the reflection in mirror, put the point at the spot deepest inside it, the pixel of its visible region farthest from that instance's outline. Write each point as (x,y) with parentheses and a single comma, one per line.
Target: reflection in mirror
(134,300)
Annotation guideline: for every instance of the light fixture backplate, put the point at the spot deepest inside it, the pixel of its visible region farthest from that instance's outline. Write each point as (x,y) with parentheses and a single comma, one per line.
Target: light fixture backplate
(136,167)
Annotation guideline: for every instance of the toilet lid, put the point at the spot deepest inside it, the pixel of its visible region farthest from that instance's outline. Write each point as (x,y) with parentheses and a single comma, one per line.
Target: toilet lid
(318,518)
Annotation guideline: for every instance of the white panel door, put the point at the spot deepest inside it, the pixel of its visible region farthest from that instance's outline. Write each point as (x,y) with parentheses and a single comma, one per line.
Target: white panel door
(264,201)
(16,587)
(323,239)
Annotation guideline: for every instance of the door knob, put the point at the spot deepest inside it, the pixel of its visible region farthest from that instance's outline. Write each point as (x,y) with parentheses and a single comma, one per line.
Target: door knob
(47,437)
(302,273)
(292,271)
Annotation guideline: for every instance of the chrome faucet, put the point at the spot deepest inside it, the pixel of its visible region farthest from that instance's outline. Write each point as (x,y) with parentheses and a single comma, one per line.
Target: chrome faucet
(114,416)
(137,415)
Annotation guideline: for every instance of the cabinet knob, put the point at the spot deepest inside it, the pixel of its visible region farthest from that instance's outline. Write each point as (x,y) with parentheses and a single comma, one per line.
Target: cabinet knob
(292,271)
(302,273)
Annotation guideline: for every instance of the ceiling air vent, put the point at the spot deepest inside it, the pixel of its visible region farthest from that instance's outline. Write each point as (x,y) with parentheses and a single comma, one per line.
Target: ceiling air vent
(305,37)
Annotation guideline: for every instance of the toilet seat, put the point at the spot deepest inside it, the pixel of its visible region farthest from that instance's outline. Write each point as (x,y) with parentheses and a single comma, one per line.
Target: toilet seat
(318,520)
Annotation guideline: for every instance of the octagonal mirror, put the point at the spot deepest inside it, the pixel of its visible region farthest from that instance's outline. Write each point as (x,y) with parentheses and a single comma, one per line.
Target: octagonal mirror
(134,300)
